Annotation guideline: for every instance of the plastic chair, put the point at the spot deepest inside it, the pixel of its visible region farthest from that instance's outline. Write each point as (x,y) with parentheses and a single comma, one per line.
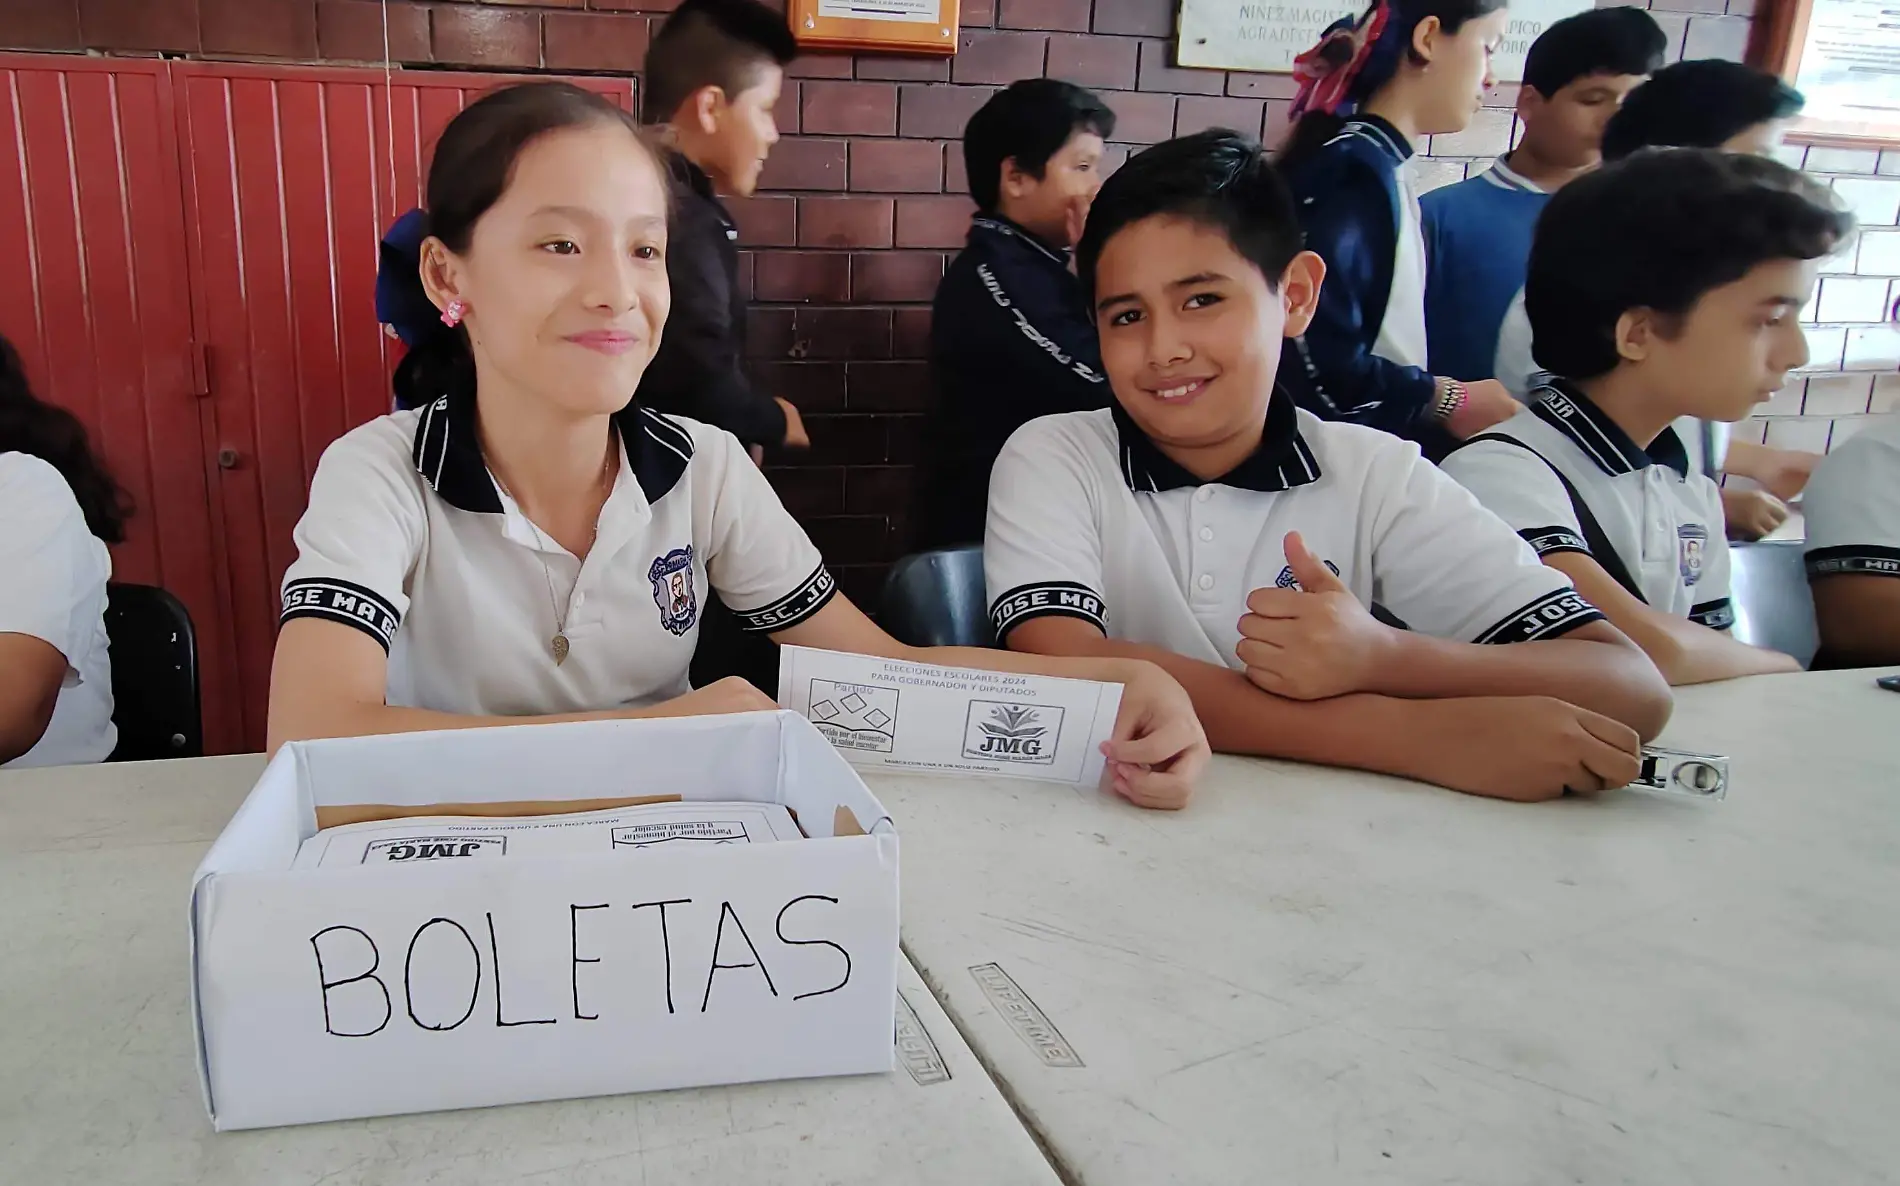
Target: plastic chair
(1769,587)
(937,599)
(154,675)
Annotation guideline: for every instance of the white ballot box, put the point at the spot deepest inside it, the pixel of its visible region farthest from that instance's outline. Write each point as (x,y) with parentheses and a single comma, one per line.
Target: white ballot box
(510,957)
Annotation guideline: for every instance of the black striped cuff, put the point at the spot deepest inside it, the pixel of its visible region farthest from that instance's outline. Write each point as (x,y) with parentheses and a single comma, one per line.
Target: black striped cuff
(1861,560)
(1551,615)
(788,611)
(1545,540)
(1716,615)
(342,601)
(1050,598)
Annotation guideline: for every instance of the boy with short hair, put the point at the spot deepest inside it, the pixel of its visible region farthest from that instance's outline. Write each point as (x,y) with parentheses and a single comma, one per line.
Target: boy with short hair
(1478,232)
(1204,522)
(1667,285)
(1011,336)
(1852,509)
(713,74)
(1705,103)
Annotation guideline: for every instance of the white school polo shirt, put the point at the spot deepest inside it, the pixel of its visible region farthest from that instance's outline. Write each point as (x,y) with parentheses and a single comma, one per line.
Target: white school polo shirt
(1089,519)
(1659,517)
(1852,505)
(53,573)
(409,539)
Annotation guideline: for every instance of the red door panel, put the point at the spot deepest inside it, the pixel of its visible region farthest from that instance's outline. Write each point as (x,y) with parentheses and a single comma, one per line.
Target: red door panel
(288,180)
(97,300)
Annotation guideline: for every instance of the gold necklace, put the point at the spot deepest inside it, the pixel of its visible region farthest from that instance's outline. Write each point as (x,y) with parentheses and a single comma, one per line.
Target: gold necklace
(558,644)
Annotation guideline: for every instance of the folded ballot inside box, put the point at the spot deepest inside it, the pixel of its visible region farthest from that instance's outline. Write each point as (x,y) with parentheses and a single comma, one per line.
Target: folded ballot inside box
(641,827)
(459,919)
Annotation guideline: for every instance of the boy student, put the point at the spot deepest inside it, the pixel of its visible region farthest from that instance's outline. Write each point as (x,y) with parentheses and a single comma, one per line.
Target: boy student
(1478,232)
(1666,285)
(1011,336)
(1205,523)
(1697,104)
(1853,517)
(713,74)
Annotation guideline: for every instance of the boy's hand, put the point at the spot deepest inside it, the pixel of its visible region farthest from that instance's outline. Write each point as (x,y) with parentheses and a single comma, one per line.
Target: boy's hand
(1311,642)
(1158,751)
(1487,403)
(795,437)
(1751,514)
(1075,218)
(1527,748)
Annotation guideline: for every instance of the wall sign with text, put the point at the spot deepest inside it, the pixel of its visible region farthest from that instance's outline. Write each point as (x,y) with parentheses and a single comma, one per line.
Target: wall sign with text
(1844,56)
(873,26)
(1265,37)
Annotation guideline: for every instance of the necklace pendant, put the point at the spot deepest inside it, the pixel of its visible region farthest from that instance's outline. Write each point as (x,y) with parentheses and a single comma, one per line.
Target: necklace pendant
(559,645)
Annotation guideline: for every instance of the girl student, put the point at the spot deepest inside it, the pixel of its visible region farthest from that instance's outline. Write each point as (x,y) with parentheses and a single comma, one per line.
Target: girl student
(59,508)
(525,543)
(1367,92)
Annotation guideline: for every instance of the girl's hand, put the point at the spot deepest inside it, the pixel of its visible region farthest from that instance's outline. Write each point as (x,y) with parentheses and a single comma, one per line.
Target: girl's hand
(1158,751)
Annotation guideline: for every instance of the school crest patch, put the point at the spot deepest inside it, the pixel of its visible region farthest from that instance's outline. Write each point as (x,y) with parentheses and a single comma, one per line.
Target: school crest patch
(673,591)
(1286,579)
(1693,545)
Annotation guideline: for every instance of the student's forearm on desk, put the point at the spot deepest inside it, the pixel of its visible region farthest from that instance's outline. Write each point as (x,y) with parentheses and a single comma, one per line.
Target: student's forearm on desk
(1593,667)
(1366,732)
(1685,652)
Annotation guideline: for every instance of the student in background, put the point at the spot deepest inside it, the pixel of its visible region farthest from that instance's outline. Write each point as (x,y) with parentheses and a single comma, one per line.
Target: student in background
(1478,232)
(1698,104)
(1368,91)
(1011,337)
(532,544)
(713,75)
(59,508)
(1704,103)
(1204,523)
(1852,509)
(1667,285)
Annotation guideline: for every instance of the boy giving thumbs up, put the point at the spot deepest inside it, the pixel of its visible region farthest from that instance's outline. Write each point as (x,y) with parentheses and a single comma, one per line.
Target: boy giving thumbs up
(1207,524)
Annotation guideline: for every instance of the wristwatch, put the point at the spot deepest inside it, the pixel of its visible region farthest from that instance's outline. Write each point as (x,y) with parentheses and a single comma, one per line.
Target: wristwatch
(1451,397)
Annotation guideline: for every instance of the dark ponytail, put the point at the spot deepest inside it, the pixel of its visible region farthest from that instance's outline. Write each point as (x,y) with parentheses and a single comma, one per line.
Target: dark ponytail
(55,436)
(1369,64)
(468,172)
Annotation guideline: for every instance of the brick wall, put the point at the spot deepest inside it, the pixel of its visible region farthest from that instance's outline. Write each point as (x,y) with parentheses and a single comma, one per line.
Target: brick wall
(865,195)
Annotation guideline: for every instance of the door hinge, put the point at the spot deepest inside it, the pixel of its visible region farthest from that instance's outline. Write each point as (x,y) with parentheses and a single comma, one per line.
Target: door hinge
(200,369)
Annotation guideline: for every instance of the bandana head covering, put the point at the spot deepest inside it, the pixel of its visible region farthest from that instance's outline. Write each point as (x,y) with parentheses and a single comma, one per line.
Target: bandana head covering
(1327,71)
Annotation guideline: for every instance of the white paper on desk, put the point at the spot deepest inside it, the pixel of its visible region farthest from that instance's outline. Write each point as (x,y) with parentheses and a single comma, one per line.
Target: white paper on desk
(889,715)
(431,839)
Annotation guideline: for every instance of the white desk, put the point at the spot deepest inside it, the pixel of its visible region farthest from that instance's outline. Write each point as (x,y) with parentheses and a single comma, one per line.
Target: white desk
(98,1082)
(1322,977)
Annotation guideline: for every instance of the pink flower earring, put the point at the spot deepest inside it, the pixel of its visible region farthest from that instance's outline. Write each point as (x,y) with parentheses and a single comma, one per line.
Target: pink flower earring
(452,316)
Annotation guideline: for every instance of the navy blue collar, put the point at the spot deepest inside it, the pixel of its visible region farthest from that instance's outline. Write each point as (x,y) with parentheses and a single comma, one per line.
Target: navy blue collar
(448,453)
(1566,408)
(996,226)
(1380,132)
(1283,460)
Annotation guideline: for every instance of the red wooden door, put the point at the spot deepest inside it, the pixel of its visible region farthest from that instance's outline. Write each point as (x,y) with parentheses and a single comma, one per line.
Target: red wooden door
(290,178)
(97,300)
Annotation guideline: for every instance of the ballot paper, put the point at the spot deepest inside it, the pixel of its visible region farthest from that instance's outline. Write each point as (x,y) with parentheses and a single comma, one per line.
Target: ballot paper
(885,714)
(632,830)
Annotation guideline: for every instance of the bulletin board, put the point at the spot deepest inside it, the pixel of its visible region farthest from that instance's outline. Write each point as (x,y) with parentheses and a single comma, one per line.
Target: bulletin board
(876,26)
(1264,37)
(1844,56)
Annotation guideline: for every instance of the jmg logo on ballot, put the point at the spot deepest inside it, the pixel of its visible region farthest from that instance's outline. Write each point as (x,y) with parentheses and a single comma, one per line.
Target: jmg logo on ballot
(1000,732)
